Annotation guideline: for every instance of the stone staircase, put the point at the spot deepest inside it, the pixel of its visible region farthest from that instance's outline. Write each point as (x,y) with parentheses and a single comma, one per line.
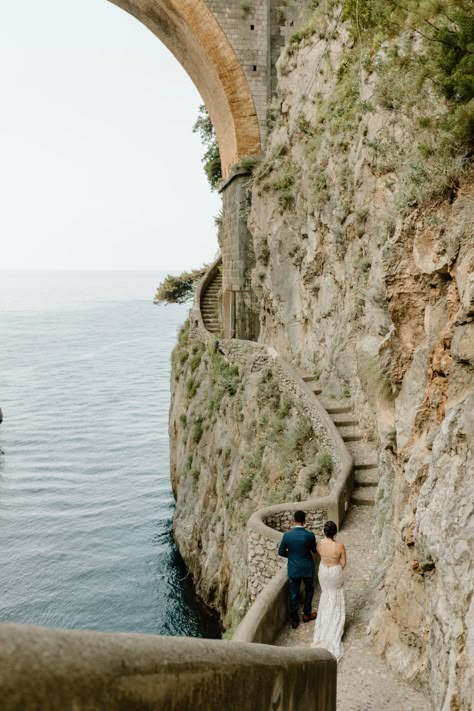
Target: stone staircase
(363,452)
(210,305)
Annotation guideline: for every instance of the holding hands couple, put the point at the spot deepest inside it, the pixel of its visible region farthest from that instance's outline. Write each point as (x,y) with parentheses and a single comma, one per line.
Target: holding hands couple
(298,545)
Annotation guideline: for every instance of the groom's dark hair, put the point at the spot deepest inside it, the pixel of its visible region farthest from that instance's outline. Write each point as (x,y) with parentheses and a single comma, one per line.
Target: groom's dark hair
(300,516)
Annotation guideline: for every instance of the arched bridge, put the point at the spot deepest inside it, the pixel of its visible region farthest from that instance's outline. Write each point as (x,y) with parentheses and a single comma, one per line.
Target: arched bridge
(229,49)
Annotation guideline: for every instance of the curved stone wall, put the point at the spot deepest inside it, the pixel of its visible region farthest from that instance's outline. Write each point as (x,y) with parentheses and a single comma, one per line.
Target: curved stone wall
(266,525)
(59,670)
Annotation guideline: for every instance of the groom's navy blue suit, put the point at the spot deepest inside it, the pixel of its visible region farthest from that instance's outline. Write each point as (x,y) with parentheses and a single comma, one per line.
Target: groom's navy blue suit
(297,545)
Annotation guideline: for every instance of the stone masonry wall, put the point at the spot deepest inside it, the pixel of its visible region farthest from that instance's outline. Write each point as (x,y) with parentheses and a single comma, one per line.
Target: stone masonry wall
(283,520)
(246,27)
(263,559)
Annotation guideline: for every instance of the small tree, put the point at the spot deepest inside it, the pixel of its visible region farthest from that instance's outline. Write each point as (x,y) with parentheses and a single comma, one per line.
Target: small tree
(179,289)
(211,158)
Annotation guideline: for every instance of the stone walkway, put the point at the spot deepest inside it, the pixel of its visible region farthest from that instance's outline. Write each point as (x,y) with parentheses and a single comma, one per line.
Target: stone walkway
(364,682)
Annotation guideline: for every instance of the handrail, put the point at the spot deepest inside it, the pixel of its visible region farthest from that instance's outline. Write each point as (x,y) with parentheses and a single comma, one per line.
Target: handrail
(254,626)
(44,669)
(196,320)
(268,614)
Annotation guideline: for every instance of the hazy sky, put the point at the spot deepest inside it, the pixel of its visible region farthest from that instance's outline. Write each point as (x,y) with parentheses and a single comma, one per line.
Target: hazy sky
(99,167)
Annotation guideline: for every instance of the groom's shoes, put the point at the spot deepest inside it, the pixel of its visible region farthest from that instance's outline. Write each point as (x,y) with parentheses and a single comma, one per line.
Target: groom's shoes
(308,618)
(295,624)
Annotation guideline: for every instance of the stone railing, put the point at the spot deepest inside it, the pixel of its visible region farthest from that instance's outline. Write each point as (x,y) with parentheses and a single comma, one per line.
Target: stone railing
(58,670)
(266,525)
(197,328)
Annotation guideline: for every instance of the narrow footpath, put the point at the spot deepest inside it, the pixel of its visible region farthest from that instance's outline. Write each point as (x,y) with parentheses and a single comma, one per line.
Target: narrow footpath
(364,682)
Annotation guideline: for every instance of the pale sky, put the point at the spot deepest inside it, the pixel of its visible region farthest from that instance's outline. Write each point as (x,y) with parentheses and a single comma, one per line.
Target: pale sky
(99,168)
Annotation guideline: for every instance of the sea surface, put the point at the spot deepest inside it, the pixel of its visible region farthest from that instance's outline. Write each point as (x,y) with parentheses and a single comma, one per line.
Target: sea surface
(85,500)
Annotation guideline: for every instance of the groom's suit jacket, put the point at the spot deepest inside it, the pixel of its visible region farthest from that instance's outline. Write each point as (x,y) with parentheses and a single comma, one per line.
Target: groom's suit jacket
(297,545)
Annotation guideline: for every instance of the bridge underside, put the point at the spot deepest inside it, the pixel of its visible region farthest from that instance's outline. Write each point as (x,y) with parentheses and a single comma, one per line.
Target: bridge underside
(192,33)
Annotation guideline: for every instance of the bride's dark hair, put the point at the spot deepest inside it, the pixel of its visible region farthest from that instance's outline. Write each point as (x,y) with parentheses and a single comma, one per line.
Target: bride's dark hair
(329,529)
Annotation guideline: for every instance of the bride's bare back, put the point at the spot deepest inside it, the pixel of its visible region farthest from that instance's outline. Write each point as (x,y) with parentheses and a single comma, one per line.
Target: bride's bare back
(331,552)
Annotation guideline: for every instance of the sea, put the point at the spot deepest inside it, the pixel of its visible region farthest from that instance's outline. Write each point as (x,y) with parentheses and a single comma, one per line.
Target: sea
(86,507)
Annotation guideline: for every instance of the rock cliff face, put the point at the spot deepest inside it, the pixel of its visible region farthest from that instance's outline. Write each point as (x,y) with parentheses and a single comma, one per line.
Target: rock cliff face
(365,269)
(363,224)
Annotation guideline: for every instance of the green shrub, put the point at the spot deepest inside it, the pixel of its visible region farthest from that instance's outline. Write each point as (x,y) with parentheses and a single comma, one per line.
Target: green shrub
(318,471)
(191,388)
(196,432)
(211,158)
(189,463)
(379,377)
(195,362)
(179,289)
(244,487)
(268,390)
(183,357)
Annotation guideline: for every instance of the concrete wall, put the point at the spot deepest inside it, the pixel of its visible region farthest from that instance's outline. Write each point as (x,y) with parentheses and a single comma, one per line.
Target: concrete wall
(57,670)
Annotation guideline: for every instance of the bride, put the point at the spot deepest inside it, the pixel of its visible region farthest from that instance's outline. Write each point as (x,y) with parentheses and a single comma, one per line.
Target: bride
(329,625)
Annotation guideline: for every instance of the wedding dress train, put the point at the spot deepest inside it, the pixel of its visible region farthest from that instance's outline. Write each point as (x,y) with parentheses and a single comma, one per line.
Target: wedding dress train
(329,625)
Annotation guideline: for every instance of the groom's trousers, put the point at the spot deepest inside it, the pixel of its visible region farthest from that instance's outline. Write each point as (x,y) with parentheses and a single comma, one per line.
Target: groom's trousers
(295,585)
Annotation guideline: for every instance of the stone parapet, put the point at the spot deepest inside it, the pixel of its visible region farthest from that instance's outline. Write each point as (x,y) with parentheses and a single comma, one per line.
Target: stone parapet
(266,525)
(61,670)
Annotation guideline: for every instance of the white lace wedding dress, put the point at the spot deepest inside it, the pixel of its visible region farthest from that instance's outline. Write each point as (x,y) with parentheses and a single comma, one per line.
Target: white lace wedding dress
(329,625)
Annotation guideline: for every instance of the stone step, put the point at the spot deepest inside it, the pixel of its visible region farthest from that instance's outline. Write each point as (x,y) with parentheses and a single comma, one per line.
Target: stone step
(366,477)
(338,409)
(366,465)
(362,453)
(351,436)
(314,387)
(364,495)
(342,420)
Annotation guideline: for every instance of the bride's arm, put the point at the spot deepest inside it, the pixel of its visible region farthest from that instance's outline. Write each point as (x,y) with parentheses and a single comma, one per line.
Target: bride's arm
(343,556)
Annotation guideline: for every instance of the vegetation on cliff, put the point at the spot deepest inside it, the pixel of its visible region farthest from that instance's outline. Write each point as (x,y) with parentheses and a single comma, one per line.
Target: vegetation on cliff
(211,159)
(179,288)
(412,60)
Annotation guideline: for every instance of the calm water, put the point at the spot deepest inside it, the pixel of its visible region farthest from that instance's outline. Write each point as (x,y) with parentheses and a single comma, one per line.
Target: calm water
(85,500)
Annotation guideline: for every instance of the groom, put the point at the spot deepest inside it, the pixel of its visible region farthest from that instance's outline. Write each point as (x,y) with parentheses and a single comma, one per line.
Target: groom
(297,545)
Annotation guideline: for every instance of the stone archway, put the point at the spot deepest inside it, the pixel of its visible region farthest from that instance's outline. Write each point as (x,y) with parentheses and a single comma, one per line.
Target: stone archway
(193,35)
